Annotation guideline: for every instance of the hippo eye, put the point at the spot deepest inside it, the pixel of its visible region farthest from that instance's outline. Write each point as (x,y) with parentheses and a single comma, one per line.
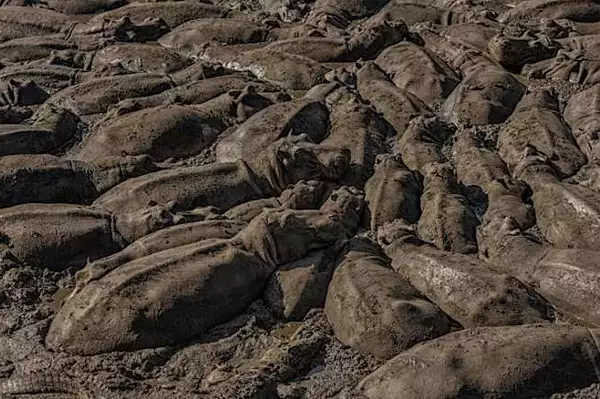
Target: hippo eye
(334,197)
(152,203)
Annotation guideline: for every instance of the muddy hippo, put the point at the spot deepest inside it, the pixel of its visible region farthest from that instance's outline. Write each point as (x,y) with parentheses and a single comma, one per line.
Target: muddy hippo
(46,179)
(358,128)
(171,131)
(393,192)
(422,143)
(195,92)
(576,10)
(537,122)
(486,179)
(568,278)
(234,271)
(272,123)
(582,113)
(174,13)
(418,71)
(290,71)
(398,106)
(367,43)
(58,236)
(447,219)
(75,7)
(462,286)
(486,95)
(514,52)
(534,360)
(191,36)
(51,130)
(269,173)
(32,48)
(136,57)
(17,22)
(568,215)
(373,309)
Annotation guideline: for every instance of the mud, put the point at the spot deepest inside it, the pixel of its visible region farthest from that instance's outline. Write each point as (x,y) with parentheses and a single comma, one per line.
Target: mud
(299,199)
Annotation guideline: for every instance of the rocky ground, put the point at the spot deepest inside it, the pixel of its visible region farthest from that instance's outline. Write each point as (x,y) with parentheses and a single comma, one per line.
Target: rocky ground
(430,169)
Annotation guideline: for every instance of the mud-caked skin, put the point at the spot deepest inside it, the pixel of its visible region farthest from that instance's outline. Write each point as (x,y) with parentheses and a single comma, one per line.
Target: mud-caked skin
(58,236)
(48,179)
(171,131)
(290,71)
(76,7)
(567,278)
(518,358)
(297,287)
(486,178)
(17,22)
(295,117)
(537,122)
(191,36)
(582,113)
(568,215)
(375,310)
(421,143)
(366,43)
(575,10)
(16,92)
(272,198)
(86,323)
(398,106)
(51,130)
(195,92)
(488,95)
(282,163)
(354,9)
(464,287)
(136,57)
(97,95)
(577,61)
(471,34)
(302,195)
(514,52)
(359,129)
(33,48)
(97,33)
(393,192)
(174,13)
(167,238)
(418,71)
(447,219)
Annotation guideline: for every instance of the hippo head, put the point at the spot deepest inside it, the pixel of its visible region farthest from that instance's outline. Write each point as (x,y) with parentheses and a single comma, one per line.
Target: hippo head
(64,123)
(439,174)
(247,102)
(71,58)
(135,225)
(291,159)
(514,52)
(303,195)
(534,167)
(282,235)
(395,234)
(124,30)
(376,35)
(492,235)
